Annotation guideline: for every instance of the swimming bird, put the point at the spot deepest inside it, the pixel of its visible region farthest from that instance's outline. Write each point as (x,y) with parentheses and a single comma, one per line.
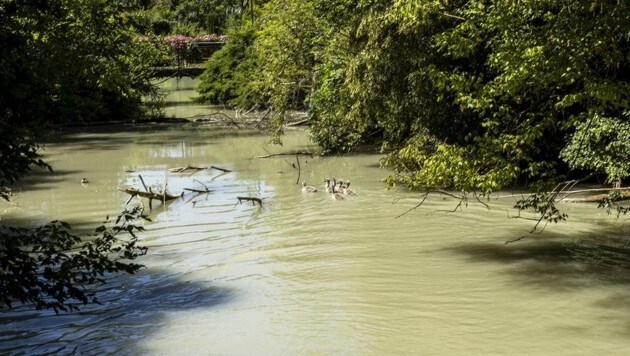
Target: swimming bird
(308,188)
(328,186)
(84,181)
(347,190)
(336,196)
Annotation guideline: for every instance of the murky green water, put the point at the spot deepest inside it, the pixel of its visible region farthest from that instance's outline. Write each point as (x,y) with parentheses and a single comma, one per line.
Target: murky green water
(308,275)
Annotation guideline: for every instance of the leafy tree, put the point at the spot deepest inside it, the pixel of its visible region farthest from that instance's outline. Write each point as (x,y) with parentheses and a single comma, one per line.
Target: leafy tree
(63,62)
(469,95)
(230,73)
(51,268)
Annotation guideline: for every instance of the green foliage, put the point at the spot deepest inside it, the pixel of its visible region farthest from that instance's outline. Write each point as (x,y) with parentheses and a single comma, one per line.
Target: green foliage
(64,62)
(230,73)
(51,268)
(601,144)
(543,205)
(468,94)
(69,61)
(210,16)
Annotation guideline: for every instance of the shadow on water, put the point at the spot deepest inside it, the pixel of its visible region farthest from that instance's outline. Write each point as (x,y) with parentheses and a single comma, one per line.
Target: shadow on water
(561,264)
(557,262)
(43,179)
(133,308)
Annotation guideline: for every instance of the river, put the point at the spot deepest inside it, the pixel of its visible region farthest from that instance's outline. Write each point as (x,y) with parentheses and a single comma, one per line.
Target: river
(305,274)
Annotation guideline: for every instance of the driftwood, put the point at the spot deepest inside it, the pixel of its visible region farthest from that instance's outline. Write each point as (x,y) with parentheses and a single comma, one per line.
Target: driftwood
(297,123)
(150,195)
(207,190)
(252,199)
(194,169)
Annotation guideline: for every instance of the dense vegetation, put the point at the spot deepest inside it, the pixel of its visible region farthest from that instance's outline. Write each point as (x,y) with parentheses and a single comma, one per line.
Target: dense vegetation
(469,95)
(62,62)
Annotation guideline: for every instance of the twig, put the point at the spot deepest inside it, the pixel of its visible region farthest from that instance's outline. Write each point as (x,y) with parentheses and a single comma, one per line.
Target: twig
(415,207)
(297,123)
(205,186)
(297,158)
(303,153)
(221,169)
(479,200)
(198,190)
(516,239)
(144,185)
(454,16)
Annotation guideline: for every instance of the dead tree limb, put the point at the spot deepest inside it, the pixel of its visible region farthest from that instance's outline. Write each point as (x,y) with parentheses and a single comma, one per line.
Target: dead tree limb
(221,169)
(193,168)
(251,199)
(302,153)
(297,123)
(198,190)
(150,195)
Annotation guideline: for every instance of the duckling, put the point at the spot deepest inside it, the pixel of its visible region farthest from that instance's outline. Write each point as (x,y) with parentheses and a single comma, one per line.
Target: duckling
(334,193)
(339,187)
(308,188)
(347,190)
(336,196)
(84,181)
(328,186)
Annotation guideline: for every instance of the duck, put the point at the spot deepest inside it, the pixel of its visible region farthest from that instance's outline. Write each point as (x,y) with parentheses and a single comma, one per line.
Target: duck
(308,188)
(327,185)
(334,194)
(84,180)
(347,190)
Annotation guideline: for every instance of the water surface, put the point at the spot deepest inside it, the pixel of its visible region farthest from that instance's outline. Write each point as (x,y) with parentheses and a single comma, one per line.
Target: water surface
(308,275)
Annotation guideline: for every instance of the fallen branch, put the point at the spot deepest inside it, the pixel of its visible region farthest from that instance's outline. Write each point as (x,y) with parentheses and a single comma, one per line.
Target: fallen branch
(252,199)
(221,169)
(303,153)
(193,168)
(207,190)
(198,190)
(297,123)
(150,195)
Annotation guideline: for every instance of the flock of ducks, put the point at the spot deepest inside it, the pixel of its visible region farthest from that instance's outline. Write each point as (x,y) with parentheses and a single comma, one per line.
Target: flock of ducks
(337,189)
